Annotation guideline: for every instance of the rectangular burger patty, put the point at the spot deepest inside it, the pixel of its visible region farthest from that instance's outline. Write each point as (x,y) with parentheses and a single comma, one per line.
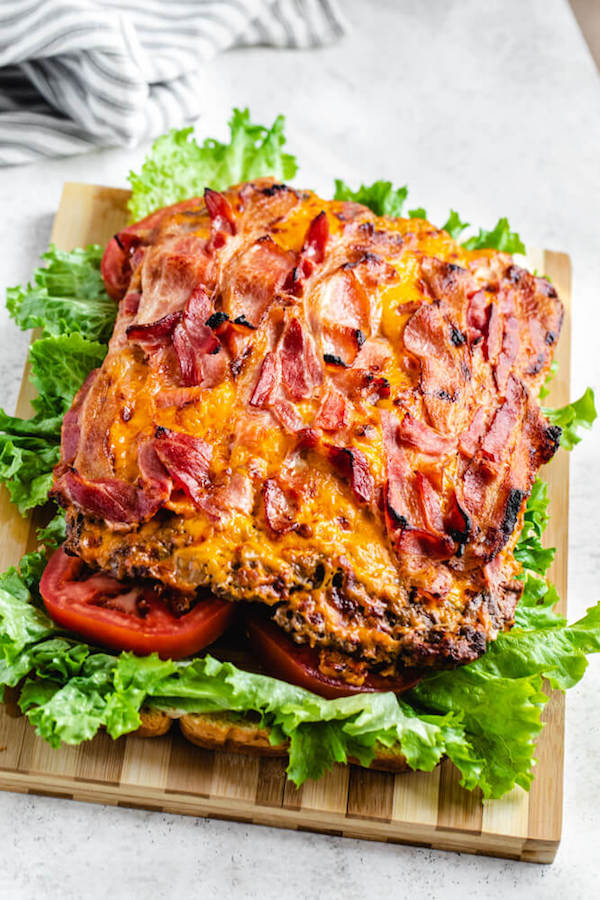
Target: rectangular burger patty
(317,409)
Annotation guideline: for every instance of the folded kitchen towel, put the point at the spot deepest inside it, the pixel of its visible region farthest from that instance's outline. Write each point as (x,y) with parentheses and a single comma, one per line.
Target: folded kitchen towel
(78,74)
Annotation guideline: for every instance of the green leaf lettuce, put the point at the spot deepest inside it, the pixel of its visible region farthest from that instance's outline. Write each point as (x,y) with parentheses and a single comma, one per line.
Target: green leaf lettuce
(67,300)
(178,167)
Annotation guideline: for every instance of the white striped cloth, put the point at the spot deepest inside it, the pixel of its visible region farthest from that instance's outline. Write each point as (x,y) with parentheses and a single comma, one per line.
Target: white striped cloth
(78,74)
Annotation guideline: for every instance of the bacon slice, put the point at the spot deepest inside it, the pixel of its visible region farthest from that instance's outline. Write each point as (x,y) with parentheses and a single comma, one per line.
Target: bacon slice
(468,441)
(266,381)
(187,460)
(316,239)
(499,477)
(192,339)
(191,347)
(510,350)
(496,442)
(153,474)
(342,316)
(156,333)
(116,501)
(408,502)
(457,524)
(477,316)
(280,507)
(253,277)
(268,392)
(422,437)
(445,367)
(352,464)
(494,332)
(287,414)
(220,211)
(119,260)
(312,254)
(198,308)
(300,367)
(71,425)
(333,413)
(238,493)
(116,267)
(430,503)
(170,275)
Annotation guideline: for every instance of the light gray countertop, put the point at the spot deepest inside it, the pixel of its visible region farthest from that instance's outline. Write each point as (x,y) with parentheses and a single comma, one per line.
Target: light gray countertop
(492,108)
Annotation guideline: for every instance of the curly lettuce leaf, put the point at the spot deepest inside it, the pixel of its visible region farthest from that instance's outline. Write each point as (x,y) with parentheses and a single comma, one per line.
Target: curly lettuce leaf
(501,717)
(66,295)
(573,417)
(454,225)
(54,533)
(499,238)
(384,200)
(381,197)
(30,448)
(21,622)
(26,465)
(68,302)
(177,167)
(529,551)
(73,691)
(536,608)
(499,697)
(59,366)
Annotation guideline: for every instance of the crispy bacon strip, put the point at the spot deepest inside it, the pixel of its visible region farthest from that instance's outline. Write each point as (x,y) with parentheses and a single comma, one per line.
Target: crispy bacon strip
(153,475)
(316,239)
(266,381)
(253,278)
(508,354)
(187,460)
(71,426)
(445,370)
(111,499)
(409,505)
(352,464)
(312,254)
(300,368)
(287,414)
(469,439)
(158,332)
(496,442)
(280,507)
(333,413)
(422,437)
(430,503)
(219,211)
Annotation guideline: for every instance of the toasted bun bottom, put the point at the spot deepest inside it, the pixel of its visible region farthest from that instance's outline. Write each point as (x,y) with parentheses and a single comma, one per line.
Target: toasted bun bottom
(241,734)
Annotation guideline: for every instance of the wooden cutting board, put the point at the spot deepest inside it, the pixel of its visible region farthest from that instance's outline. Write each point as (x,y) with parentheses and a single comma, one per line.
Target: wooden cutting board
(171,775)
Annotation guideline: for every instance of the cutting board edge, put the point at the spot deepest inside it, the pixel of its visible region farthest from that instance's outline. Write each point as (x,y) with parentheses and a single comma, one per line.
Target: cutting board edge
(430,836)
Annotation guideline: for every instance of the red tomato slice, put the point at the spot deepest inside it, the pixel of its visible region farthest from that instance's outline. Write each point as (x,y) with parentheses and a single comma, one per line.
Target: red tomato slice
(299,664)
(74,603)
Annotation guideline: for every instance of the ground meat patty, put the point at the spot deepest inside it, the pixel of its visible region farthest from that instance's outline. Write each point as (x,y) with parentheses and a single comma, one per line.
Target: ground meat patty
(314,408)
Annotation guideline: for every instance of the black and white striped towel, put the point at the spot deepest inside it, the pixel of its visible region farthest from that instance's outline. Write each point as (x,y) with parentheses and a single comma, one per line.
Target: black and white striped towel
(78,74)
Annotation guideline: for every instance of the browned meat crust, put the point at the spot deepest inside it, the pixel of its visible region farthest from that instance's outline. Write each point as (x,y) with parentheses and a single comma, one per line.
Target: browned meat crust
(313,408)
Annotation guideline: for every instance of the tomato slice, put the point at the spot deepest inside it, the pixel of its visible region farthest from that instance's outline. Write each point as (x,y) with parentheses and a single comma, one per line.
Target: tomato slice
(299,664)
(79,604)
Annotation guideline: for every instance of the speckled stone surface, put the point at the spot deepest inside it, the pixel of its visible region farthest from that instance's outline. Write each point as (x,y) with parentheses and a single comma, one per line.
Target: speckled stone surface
(490,108)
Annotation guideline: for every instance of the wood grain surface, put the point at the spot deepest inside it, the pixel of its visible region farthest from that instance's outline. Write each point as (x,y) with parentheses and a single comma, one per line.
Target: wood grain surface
(170,774)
